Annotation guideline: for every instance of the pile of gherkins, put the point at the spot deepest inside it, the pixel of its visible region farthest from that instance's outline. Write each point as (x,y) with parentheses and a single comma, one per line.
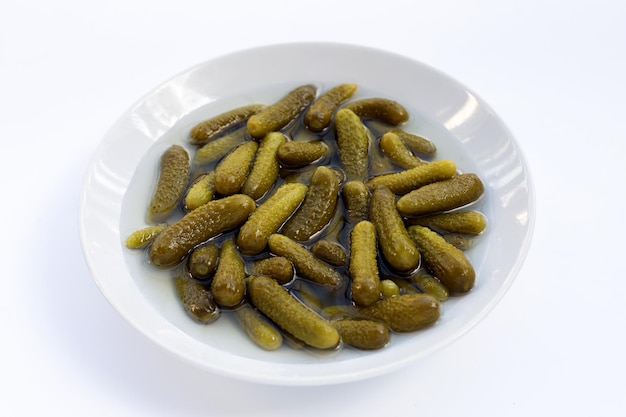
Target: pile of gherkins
(316,219)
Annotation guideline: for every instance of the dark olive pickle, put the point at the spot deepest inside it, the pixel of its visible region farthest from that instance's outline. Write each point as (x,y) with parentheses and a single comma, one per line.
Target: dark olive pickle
(196,299)
(362,334)
(202,261)
(447,263)
(300,154)
(330,252)
(290,314)
(277,267)
(363,268)
(444,195)
(217,216)
(395,243)
(209,129)
(318,207)
(276,116)
(404,313)
(319,114)
(388,111)
(171,184)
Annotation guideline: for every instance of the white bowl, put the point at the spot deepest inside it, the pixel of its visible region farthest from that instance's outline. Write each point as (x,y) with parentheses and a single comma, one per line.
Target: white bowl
(116,191)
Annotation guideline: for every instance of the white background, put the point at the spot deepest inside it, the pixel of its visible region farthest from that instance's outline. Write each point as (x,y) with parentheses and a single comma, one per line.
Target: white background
(554,72)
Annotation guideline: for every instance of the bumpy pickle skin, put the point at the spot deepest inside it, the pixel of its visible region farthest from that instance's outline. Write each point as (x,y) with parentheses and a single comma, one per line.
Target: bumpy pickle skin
(228,286)
(196,300)
(447,263)
(207,221)
(269,216)
(259,329)
(403,182)
(202,261)
(356,197)
(307,265)
(394,148)
(277,267)
(471,223)
(278,115)
(363,267)
(319,115)
(171,184)
(352,143)
(201,191)
(396,245)
(442,195)
(362,334)
(404,313)
(300,154)
(218,148)
(232,171)
(416,143)
(383,109)
(143,237)
(290,314)
(264,171)
(209,129)
(318,207)
(330,252)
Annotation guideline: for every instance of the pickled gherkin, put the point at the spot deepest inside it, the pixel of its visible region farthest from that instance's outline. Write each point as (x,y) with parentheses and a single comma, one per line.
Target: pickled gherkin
(404,313)
(201,191)
(171,184)
(300,154)
(290,314)
(318,207)
(278,115)
(319,114)
(217,216)
(395,149)
(203,260)
(356,197)
(353,143)
(232,171)
(277,267)
(470,222)
(395,244)
(228,286)
(430,285)
(268,217)
(258,328)
(307,265)
(363,268)
(264,170)
(330,252)
(362,334)
(416,143)
(196,300)
(218,148)
(447,263)
(145,236)
(403,182)
(386,110)
(442,195)
(210,129)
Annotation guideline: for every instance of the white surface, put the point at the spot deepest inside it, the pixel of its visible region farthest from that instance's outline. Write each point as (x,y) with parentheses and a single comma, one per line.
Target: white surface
(117,185)
(552,70)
